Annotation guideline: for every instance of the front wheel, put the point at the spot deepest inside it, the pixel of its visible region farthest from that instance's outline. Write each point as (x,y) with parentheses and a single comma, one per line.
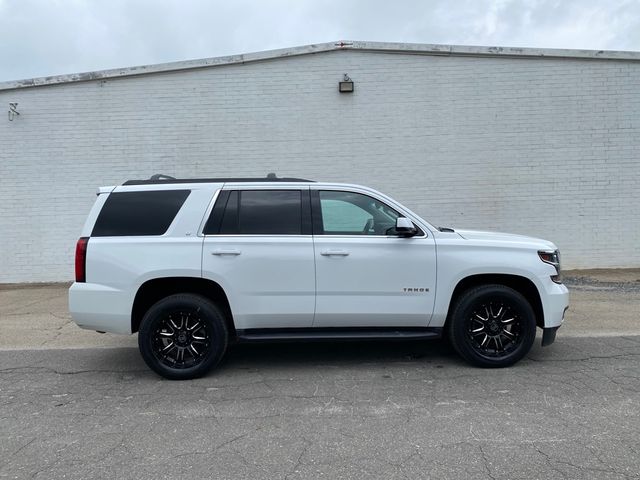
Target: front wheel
(182,336)
(492,326)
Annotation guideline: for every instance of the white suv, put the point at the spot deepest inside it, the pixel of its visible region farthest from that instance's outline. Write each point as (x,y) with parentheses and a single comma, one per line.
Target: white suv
(193,265)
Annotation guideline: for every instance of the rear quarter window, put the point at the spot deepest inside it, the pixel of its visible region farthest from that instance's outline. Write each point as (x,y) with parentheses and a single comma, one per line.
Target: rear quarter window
(139,213)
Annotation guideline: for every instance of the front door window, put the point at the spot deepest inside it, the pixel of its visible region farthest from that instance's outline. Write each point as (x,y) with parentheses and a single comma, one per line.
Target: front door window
(350,213)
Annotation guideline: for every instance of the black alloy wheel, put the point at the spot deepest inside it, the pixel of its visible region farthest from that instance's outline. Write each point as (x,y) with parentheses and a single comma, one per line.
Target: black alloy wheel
(494,329)
(183,336)
(181,339)
(492,326)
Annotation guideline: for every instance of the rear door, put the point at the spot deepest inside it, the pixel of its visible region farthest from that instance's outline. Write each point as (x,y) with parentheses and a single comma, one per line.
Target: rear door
(367,275)
(258,247)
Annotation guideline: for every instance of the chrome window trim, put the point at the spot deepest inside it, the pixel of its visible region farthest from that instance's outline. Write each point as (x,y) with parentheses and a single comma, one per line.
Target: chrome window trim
(244,235)
(371,236)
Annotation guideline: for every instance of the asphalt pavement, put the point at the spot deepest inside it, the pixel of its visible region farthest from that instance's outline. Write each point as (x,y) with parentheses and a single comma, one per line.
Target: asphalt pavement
(78,405)
(373,410)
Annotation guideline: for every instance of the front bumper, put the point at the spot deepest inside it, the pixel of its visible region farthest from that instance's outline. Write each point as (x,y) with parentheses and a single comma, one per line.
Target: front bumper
(555,302)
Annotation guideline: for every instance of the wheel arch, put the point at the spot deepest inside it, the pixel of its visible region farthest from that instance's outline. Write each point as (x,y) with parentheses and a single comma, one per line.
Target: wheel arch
(156,289)
(521,284)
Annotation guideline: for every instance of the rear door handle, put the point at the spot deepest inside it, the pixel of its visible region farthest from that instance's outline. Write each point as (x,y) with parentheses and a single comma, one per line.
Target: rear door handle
(230,251)
(336,253)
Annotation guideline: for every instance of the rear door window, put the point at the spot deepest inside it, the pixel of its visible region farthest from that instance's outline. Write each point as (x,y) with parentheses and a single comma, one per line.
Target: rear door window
(261,212)
(139,213)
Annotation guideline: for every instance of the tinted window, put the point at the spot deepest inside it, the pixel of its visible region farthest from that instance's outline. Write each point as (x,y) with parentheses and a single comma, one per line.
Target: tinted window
(339,216)
(263,212)
(139,213)
(230,214)
(348,213)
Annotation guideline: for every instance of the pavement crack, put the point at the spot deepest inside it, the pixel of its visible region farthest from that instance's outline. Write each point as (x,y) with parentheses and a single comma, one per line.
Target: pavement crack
(24,446)
(299,463)
(229,442)
(550,464)
(487,464)
(215,449)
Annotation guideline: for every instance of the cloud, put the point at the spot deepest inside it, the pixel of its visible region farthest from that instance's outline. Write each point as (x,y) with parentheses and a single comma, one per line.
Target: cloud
(47,37)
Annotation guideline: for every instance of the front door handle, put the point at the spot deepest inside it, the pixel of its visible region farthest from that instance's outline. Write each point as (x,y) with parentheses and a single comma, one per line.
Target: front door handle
(222,251)
(336,253)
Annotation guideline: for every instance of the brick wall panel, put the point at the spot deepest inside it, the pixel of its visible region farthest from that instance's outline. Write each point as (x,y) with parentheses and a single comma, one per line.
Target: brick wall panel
(544,147)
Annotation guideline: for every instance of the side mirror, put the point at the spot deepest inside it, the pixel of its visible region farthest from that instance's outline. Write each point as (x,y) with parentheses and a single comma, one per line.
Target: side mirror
(405,228)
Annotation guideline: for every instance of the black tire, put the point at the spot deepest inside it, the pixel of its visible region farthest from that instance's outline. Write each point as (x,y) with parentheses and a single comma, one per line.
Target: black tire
(183,336)
(492,326)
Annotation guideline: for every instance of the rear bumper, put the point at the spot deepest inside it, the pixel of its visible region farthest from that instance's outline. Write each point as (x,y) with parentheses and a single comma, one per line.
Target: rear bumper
(98,307)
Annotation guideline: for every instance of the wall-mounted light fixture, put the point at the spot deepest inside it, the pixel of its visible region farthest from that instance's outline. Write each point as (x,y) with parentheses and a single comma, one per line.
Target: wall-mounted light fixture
(13,111)
(346,85)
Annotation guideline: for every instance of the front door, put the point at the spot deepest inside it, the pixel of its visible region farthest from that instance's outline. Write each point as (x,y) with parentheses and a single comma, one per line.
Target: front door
(367,275)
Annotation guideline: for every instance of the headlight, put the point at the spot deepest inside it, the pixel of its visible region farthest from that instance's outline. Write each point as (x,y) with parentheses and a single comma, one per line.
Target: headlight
(552,257)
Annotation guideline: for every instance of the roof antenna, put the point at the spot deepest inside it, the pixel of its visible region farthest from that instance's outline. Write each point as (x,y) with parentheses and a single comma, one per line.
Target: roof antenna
(271,175)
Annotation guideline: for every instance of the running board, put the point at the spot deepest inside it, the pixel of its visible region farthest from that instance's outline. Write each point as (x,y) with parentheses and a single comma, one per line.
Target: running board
(335,334)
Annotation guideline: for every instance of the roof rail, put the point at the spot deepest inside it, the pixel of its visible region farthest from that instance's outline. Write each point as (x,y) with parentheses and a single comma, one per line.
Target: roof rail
(160,178)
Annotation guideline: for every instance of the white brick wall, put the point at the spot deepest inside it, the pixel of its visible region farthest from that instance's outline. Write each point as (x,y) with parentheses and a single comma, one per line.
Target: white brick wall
(544,147)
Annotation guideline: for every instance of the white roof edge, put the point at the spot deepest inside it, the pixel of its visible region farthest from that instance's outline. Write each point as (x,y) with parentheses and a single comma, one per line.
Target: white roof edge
(383,47)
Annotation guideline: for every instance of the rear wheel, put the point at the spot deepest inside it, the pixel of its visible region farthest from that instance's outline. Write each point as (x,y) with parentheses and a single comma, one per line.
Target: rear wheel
(183,336)
(492,326)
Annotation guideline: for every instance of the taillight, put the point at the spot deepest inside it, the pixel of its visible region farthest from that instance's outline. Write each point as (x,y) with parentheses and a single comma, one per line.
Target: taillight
(81,259)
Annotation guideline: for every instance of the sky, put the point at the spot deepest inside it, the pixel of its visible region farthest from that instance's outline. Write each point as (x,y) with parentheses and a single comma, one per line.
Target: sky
(51,37)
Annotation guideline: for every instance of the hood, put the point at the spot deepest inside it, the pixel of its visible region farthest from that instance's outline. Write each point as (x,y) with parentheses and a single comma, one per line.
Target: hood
(504,237)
